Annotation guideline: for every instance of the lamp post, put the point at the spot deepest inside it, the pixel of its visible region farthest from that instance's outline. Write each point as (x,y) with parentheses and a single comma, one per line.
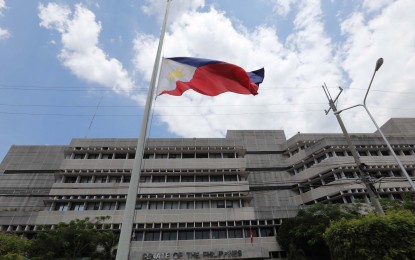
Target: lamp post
(379,63)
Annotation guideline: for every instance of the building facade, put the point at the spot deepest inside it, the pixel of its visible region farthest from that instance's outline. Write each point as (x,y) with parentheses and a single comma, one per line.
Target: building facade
(199,198)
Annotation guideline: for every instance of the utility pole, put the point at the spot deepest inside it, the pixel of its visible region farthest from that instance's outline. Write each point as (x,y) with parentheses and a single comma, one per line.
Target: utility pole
(364,175)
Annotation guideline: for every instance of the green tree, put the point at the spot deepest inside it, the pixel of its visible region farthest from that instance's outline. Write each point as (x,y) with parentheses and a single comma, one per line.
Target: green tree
(390,236)
(302,236)
(12,246)
(78,238)
(407,202)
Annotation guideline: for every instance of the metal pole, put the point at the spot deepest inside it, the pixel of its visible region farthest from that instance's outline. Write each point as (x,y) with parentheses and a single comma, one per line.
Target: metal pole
(365,177)
(391,150)
(128,219)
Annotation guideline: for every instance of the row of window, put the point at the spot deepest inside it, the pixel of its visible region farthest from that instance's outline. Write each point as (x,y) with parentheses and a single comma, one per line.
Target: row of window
(358,195)
(150,171)
(148,205)
(163,226)
(319,159)
(328,178)
(220,233)
(155,179)
(169,155)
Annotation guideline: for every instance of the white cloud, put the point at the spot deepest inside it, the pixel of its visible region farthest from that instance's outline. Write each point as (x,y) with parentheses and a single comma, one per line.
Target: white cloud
(4,33)
(391,35)
(80,52)
(282,7)
(177,8)
(2,6)
(290,82)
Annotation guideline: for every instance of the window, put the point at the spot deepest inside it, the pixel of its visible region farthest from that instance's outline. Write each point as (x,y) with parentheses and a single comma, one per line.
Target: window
(216,178)
(202,178)
(131,156)
(85,179)
(152,236)
(204,204)
(253,230)
(79,156)
(126,179)
(235,233)
(138,236)
(92,206)
(186,235)
(202,234)
(187,204)
(266,231)
(71,179)
(159,179)
(174,156)
(62,206)
(93,156)
(215,155)
(120,156)
(145,178)
(201,155)
(228,155)
(161,156)
(108,205)
(141,205)
(231,178)
(188,178)
(77,206)
(169,235)
(220,204)
(106,156)
(188,155)
(173,178)
(155,205)
(171,205)
(219,233)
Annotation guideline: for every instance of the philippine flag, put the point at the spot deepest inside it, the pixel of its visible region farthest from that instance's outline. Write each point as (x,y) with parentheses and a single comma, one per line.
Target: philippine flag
(208,77)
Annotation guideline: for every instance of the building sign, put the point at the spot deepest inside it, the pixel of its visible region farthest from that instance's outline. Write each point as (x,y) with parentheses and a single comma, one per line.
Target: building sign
(193,255)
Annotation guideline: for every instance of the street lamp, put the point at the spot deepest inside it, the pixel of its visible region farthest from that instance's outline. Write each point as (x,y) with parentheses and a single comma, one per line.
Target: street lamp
(379,63)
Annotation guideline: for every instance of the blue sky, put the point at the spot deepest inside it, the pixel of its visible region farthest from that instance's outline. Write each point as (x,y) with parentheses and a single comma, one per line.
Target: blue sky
(62,62)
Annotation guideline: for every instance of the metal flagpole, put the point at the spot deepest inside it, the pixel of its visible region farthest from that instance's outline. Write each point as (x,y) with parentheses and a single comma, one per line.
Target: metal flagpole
(128,219)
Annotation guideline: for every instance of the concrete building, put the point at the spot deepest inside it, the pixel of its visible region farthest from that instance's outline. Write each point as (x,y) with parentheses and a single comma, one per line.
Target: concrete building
(199,198)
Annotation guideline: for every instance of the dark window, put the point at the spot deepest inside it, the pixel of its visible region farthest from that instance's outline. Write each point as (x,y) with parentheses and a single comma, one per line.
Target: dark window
(120,156)
(159,179)
(228,155)
(106,156)
(231,178)
(220,204)
(131,156)
(188,178)
(201,155)
(141,205)
(235,233)
(218,233)
(161,156)
(79,156)
(202,234)
(171,204)
(215,155)
(173,178)
(138,236)
(186,235)
(93,156)
(216,178)
(174,156)
(266,231)
(152,236)
(169,235)
(202,178)
(126,179)
(253,230)
(188,155)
